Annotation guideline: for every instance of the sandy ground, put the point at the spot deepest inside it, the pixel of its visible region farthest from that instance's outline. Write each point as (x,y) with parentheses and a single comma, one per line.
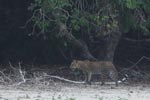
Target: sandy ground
(61,91)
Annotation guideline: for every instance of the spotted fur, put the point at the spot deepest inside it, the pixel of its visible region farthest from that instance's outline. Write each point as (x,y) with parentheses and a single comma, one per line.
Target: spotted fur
(104,68)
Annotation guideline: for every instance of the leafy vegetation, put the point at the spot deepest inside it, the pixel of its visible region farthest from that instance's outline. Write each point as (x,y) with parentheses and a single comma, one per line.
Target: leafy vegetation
(91,21)
(92,17)
(133,14)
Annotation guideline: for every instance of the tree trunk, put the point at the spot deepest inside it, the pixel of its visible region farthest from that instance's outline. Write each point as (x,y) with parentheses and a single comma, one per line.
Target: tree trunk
(82,47)
(112,44)
(108,49)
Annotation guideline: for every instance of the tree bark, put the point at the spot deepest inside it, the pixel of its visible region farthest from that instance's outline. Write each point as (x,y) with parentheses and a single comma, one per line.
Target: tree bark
(112,44)
(82,47)
(108,49)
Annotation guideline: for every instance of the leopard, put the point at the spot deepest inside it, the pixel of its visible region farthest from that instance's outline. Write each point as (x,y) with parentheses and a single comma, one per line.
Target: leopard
(105,69)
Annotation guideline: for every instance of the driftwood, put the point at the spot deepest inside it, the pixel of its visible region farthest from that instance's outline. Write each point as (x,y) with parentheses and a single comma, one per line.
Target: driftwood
(75,82)
(63,79)
(82,82)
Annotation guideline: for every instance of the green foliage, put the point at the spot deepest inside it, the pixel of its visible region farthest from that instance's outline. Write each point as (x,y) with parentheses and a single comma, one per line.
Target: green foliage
(132,4)
(94,17)
(132,14)
(47,13)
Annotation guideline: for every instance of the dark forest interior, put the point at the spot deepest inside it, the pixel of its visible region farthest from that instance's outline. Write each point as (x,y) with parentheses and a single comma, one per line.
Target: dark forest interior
(16,44)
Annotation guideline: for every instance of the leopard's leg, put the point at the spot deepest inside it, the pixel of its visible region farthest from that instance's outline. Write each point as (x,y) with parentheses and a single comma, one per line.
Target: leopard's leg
(103,78)
(89,77)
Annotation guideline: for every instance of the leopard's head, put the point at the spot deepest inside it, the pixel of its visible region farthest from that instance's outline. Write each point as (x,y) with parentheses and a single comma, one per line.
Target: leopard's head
(74,65)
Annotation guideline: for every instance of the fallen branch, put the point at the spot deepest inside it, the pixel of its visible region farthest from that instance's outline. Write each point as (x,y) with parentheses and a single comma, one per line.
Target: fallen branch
(22,74)
(138,73)
(137,67)
(144,57)
(19,74)
(82,82)
(5,76)
(135,64)
(63,79)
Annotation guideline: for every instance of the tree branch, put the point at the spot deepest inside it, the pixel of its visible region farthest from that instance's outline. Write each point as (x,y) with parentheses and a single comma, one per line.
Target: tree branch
(76,43)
